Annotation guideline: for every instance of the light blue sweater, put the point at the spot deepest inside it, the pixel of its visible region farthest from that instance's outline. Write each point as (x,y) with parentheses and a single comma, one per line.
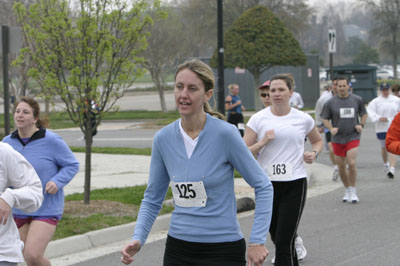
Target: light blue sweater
(53,161)
(219,150)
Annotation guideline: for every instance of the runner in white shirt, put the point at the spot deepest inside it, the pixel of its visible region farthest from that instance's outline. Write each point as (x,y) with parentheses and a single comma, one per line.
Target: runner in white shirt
(382,110)
(276,136)
(20,187)
(296,101)
(266,100)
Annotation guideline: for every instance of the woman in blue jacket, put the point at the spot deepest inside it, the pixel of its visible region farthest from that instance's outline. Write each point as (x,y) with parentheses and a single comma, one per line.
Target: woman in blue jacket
(197,155)
(55,165)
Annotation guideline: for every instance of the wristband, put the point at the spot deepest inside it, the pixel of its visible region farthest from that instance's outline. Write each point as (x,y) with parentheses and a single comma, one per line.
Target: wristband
(255,244)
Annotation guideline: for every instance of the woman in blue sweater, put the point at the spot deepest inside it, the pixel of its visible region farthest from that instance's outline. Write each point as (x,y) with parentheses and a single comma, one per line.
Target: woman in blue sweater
(197,155)
(56,166)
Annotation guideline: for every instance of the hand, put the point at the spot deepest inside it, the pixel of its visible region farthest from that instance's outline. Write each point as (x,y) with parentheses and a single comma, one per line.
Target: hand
(383,119)
(334,131)
(5,210)
(309,157)
(269,135)
(358,128)
(256,255)
(51,187)
(129,251)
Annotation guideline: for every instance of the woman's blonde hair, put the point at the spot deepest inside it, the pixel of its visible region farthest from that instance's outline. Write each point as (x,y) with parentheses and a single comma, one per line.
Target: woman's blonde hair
(206,75)
(232,86)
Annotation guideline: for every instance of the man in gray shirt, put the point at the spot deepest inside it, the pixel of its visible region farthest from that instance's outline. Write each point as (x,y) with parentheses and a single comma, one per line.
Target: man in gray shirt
(341,116)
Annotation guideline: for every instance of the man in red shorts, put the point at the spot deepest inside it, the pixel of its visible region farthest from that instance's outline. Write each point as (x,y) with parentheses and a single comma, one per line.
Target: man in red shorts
(344,115)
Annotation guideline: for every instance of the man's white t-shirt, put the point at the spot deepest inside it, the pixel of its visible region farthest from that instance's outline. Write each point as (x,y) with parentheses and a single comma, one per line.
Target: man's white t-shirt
(282,157)
(296,100)
(383,107)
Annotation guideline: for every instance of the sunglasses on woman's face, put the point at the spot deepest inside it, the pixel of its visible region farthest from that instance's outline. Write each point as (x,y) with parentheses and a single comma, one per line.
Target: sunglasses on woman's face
(264,95)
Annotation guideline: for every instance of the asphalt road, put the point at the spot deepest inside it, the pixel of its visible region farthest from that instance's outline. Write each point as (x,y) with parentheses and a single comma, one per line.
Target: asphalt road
(334,233)
(112,134)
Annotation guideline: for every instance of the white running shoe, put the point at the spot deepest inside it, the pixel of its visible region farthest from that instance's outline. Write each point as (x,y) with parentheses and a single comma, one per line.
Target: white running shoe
(390,173)
(353,195)
(346,197)
(300,249)
(386,168)
(335,174)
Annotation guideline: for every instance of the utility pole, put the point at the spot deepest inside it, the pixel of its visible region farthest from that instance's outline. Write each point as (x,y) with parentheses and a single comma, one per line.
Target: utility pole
(221,86)
(5,38)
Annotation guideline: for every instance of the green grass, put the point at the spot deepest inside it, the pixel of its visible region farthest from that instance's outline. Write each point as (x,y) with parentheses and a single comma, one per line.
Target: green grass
(138,115)
(128,195)
(115,150)
(70,226)
(58,120)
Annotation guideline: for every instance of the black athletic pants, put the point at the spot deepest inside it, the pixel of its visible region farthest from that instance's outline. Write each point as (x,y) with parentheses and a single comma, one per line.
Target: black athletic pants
(235,119)
(289,200)
(184,253)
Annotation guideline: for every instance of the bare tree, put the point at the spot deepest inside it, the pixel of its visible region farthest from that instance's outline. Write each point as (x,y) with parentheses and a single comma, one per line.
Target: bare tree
(166,49)
(387,14)
(18,71)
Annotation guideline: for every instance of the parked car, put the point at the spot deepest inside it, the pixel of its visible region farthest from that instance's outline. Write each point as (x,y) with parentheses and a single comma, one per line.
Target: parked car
(384,74)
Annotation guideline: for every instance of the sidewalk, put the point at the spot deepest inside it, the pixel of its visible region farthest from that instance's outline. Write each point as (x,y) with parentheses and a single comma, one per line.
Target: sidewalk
(129,170)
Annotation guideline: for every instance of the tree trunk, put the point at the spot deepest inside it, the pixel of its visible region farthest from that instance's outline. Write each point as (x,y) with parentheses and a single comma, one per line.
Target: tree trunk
(159,82)
(162,98)
(256,77)
(46,108)
(88,158)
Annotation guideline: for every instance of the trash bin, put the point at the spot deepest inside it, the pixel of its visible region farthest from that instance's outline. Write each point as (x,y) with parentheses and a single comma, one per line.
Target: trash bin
(362,78)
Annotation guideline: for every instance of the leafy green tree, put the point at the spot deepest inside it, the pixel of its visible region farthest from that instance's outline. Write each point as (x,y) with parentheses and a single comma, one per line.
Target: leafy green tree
(366,55)
(86,55)
(258,40)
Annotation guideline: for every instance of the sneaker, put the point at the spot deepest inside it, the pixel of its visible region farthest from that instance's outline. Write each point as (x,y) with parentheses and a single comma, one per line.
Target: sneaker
(346,197)
(386,168)
(390,173)
(300,249)
(353,195)
(335,174)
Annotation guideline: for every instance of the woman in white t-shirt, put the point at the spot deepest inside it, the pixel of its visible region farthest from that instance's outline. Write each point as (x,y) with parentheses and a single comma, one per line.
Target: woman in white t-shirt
(276,136)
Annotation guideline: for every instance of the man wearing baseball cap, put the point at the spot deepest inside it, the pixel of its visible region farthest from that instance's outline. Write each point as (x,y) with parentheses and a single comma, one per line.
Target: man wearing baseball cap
(264,93)
(382,111)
